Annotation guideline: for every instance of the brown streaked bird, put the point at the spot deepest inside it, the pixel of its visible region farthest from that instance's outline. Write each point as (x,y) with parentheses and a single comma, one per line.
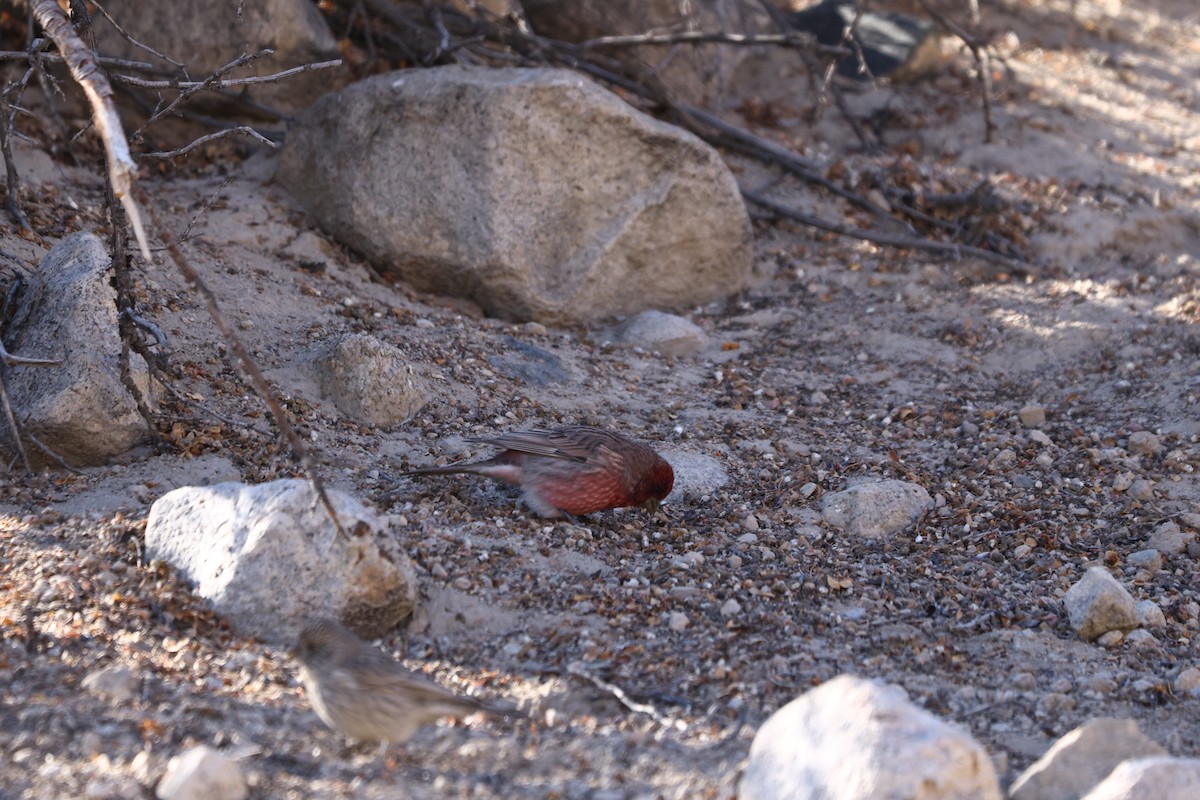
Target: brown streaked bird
(572,470)
(362,692)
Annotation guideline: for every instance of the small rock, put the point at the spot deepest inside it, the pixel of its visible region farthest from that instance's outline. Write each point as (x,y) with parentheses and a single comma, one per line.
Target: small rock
(1144,443)
(1081,758)
(730,608)
(1168,538)
(668,334)
(876,509)
(817,398)
(1039,437)
(1157,777)
(750,523)
(371,381)
(678,621)
(1188,680)
(534,328)
(1032,416)
(1098,604)
(1110,639)
(202,773)
(1150,615)
(116,684)
(1142,639)
(1142,489)
(854,732)
(1149,559)
(1024,681)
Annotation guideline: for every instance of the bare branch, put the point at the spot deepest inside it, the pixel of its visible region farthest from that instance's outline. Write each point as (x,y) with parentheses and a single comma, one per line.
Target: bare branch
(214,81)
(87,73)
(242,129)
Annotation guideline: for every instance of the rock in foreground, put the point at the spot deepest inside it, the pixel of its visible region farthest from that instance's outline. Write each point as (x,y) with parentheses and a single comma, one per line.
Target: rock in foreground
(533,192)
(854,739)
(268,557)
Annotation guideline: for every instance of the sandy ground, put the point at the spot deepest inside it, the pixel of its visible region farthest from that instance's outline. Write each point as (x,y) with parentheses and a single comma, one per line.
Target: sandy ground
(845,361)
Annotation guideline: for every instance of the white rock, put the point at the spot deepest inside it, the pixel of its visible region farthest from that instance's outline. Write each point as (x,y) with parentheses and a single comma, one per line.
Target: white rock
(79,408)
(1080,759)
(1032,416)
(1154,778)
(371,381)
(1144,443)
(1141,639)
(875,509)
(202,773)
(1149,559)
(268,557)
(1097,604)
(730,608)
(543,196)
(116,684)
(667,333)
(678,621)
(853,739)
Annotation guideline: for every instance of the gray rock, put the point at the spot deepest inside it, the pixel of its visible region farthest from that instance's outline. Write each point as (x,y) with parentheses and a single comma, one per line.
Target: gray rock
(696,475)
(542,196)
(876,509)
(1150,615)
(1098,604)
(849,738)
(202,773)
(80,409)
(529,363)
(268,557)
(209,35)
(1158,777)
(371,381)
(666,333)
(1149,559)
(116,684)
(1081,759)
(1144,443)
(702,74)
(1168,538)
(1188,680)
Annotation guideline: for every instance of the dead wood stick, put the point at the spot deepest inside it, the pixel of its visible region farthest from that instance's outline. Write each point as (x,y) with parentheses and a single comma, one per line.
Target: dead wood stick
(216,81)
(928,245)
(792,40)
(979,50)
(624,699)
(245,130)
(248,366)
(86,71)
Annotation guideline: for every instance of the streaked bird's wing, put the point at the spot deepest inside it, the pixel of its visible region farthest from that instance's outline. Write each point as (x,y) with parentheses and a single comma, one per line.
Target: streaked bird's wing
(558,443)
(389,678)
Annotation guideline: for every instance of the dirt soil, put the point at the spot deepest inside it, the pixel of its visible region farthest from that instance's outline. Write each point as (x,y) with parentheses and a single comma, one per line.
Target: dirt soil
(846,361)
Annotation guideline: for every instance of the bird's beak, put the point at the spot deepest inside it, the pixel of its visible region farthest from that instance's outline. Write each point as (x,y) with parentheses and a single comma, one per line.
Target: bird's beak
(652,505)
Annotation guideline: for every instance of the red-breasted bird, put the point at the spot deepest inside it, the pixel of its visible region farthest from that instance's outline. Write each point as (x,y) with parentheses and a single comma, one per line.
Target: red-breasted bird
(362,692)
(573,470)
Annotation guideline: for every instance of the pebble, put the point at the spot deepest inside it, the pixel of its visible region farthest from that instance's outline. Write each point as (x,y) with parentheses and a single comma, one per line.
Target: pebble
(678,621)
(968,430)
(1110,639)
(116,684)
(1168,538)
(1149,559)
(1024,681)
(668,334)
(202,773)
(730,608)
(1142,639)
(1150,615)
(1122,481)
(747,538)
(1032,416)
(817,399)
(1039,437)
(1142,489)
(750,523)
(1144,443)
(1188,680)
(535,329)
(1098,604)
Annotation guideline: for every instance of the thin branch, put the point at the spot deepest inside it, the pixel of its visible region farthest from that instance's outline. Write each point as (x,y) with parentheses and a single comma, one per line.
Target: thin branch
(979,50)
(140,45)
(215,81)
(625,700)
(928,245)
(245,130)
(87,73)
(790,40)
(248,366)
(212,81)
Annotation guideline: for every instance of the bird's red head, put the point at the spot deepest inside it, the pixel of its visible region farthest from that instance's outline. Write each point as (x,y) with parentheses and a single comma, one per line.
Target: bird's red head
(655,485)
